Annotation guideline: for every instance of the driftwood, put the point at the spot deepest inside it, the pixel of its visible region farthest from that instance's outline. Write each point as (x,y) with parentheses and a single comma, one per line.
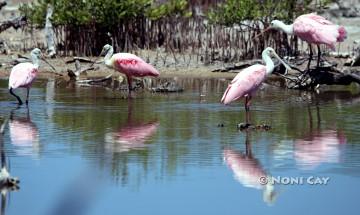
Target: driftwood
(49,33)
(74,75)
(237,66)
(304,79)
(15,23)
(80,59)
(95,81)
(323,75)
(2,4)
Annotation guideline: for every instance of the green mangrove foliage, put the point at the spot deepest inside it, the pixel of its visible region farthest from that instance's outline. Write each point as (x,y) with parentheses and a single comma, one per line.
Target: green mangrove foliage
(79,23)
(225,32)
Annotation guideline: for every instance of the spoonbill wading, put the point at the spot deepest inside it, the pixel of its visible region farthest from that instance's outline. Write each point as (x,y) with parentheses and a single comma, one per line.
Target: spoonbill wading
(128,64)
(249,80)
(313,29)
(23,74)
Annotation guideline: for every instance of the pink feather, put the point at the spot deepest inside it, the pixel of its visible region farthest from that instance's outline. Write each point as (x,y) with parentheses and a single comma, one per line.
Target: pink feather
(22,75)
(132,65)
(244,83)
(316,29)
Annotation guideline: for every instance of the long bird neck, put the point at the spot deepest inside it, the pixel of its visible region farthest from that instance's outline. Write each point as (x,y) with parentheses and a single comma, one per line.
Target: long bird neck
(288,29)
(35,60)
(107,59)
(268,63)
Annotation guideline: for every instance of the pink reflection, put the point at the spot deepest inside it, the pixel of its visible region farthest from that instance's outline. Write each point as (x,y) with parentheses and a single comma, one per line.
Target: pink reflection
(318,147)
(130,137)
(249,172)
(24,135)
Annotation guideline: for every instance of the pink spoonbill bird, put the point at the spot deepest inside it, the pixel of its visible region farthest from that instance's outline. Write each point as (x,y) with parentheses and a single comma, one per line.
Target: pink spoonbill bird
(128,64)
(23,74)
(313,29)
(249,80)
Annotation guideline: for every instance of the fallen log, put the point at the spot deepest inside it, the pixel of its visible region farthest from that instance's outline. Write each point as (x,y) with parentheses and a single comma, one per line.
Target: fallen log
(15,23)
(95,81)
(237,66)
(328,75)
(80,59)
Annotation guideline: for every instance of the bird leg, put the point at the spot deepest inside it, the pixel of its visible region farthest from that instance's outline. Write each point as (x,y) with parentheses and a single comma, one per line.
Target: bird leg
(247,118)
(310,57)
(17,97)
(247,103)
(129,83)
(27,96)
(319,56)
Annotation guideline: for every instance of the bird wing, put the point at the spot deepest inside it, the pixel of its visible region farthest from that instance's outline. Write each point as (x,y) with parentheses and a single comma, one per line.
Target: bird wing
(22,75)
(132,65)
(316,29)
(316,18)
(244,83)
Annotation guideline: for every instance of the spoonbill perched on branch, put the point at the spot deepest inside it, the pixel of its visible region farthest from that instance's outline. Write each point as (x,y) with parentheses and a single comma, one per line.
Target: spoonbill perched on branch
(23,74)
(128,64)
(313,29)
(249,80)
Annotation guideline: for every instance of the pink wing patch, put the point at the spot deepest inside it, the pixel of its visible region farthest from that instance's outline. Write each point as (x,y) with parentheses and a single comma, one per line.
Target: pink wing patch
(317,18)
(316,29)
(246,82)
(22,75)
(132,65)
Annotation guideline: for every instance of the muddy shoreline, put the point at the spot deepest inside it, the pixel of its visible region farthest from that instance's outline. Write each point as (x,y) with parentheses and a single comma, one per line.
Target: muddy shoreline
(166,71)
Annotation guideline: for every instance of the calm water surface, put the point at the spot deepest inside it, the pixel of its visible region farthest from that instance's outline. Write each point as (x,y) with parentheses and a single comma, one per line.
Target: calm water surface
(81,150)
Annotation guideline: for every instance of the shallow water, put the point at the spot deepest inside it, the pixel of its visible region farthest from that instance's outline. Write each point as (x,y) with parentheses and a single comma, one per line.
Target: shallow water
(86,150)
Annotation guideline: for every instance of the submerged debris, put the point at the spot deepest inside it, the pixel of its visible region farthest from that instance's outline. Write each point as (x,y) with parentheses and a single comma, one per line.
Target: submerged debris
(247,126)
(168,87)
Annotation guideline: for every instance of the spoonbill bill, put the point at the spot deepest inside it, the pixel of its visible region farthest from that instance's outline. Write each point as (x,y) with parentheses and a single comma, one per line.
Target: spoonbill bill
(128,64)
(249,80)
(313,29)
(23,74)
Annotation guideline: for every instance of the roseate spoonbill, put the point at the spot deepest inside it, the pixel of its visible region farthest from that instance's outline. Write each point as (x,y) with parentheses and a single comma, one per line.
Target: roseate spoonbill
(23,74)
(313,29)
(249,172)
(249,80)
(128,64)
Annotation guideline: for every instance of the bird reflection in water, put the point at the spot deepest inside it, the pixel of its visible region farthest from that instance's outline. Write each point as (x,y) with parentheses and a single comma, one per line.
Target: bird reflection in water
(318,146)
(131,136)
(24,134)
(249,171)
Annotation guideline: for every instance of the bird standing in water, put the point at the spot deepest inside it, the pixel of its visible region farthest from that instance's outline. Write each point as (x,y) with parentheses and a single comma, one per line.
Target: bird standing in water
(313,29)
(23,74)
(128,64)
(249,80)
